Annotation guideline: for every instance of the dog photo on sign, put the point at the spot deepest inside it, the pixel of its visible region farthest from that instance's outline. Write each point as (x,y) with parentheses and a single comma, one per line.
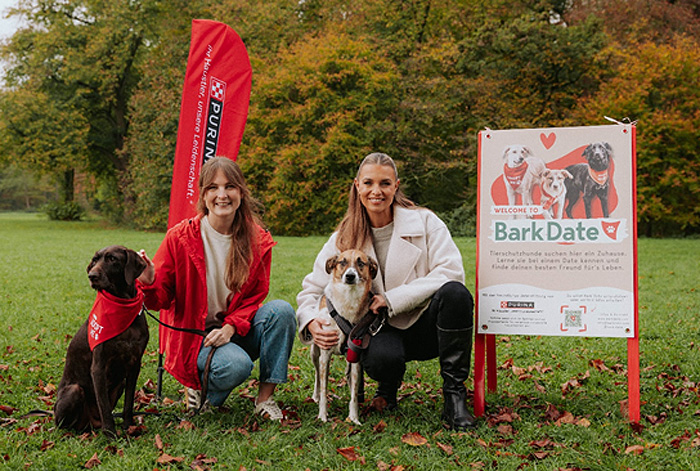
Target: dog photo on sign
(590,180)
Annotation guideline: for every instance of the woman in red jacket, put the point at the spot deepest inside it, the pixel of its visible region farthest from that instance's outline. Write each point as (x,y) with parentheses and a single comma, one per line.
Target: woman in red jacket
(212,273)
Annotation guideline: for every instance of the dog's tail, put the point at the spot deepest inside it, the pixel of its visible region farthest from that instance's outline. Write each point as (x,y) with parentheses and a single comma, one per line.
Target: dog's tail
(37,413)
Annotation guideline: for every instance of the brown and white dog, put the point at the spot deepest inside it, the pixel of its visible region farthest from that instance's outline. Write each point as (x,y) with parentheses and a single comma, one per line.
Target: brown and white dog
(522,171)
(553,192)
(348,290)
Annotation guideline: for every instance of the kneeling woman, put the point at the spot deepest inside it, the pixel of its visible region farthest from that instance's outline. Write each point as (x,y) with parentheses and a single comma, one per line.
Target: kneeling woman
(212,272)
(420,282)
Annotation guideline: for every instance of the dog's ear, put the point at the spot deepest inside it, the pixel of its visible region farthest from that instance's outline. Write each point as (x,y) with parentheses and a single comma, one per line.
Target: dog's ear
(587,151)
(546,173)
(331,263)
(373,267)
(505,152)
(135,265)
(93,261)
(608,147)
(528,151)
(567,174)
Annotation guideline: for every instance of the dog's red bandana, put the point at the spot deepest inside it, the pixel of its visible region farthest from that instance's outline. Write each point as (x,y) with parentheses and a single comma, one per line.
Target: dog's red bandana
(600,177)
(514,175)
(110,316)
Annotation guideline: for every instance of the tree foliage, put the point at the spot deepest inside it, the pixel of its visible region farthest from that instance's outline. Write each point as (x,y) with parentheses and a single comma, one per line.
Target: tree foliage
(94,86)
(658,86)
(72,71)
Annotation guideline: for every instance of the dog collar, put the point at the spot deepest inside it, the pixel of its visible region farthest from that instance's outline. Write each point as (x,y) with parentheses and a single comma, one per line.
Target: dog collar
(110,316)
(600,177)
(515,175)
(549,201)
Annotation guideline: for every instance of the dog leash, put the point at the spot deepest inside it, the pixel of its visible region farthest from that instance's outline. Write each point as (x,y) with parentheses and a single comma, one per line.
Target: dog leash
(207,365)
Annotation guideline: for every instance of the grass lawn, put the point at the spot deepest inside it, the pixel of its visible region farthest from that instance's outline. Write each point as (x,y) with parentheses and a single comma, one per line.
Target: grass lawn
(532,422)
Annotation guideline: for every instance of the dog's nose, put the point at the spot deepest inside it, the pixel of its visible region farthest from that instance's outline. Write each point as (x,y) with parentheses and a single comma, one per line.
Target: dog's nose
(93,276)
(350,278)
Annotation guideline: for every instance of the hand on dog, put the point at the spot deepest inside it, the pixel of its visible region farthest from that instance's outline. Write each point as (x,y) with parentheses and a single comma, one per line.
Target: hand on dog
(148,276)
(219,337)
(378,302)
(324,338)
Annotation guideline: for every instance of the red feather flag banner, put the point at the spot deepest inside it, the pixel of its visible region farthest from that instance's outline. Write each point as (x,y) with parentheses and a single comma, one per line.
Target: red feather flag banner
(215,100)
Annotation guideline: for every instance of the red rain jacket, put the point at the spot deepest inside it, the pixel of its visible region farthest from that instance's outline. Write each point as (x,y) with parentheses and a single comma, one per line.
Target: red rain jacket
(180,292)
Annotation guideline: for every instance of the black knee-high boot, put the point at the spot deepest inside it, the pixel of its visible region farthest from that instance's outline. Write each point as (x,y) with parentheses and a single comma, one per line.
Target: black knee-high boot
(455,348)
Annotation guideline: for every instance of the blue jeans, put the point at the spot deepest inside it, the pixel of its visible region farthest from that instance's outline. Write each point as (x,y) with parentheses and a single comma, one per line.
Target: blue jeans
(270,339)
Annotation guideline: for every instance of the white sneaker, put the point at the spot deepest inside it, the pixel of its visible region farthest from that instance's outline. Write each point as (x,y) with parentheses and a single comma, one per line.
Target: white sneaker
(193,398)
(269,410)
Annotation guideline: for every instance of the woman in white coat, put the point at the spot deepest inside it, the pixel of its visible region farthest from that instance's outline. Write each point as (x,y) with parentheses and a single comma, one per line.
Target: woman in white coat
(420,282)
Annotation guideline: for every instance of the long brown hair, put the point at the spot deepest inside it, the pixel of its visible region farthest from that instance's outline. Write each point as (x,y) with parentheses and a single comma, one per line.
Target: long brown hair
(355,230)
(244,231)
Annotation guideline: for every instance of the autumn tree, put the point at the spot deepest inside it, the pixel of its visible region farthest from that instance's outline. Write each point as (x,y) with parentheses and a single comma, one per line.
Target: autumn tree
(657,86)
(324,104)
(71,72)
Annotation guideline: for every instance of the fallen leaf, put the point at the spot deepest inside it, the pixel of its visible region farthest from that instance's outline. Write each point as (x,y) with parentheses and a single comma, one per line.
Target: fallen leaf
(46,445)
(167,459)
(159,442)
(348,453)
(505,429)
(539,455)
(634,449)
(92,462)
(185,425)
(136,430)
(583,422)
(446,448)
(382,466)
(7,409)
(379,428)
(414,439)
(566,418)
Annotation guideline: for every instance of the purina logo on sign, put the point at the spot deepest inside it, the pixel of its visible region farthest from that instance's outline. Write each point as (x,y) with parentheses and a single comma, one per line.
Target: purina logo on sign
(561,231)
(217,94)
(517,305)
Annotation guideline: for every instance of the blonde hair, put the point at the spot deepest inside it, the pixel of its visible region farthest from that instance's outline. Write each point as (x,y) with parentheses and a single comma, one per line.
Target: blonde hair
(244,231)
(355,230)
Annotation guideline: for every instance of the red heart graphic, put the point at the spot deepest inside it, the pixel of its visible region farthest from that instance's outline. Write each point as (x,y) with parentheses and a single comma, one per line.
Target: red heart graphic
(548,140)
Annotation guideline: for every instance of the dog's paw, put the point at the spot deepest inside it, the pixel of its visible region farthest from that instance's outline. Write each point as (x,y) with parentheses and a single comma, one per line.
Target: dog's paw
(354,420)
(322,417)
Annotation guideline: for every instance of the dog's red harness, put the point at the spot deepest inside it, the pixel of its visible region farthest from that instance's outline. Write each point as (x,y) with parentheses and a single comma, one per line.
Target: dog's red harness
(514,175)
(600,177)
(110,316)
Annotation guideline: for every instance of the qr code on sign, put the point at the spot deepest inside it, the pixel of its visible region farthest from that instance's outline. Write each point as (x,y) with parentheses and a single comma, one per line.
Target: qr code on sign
(573,317)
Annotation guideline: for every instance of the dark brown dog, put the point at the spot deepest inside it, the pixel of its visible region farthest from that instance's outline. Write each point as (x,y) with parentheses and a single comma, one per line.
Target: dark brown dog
(93,381)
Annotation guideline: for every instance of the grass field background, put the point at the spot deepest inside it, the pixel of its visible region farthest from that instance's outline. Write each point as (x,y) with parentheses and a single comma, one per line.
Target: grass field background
(558,405)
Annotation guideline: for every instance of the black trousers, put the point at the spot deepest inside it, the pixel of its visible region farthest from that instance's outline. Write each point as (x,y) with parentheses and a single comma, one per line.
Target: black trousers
(452,307)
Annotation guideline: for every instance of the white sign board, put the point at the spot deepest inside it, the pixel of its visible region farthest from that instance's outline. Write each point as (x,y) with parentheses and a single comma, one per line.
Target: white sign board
(556,248)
